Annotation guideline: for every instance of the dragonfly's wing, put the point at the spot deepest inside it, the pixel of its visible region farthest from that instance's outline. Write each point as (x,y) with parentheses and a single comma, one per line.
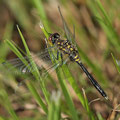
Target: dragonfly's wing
(17,64)
(43,54)
(41,59)
(68,33)
(74,33)
(52,68)
(49,66)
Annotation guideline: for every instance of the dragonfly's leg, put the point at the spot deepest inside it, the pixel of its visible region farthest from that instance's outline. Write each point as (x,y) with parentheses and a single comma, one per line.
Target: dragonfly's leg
(57,58)
(57,55)
(61,55)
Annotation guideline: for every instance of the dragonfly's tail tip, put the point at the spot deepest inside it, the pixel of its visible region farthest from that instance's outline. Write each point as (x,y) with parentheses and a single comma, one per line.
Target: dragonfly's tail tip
(58,6)
(106,98)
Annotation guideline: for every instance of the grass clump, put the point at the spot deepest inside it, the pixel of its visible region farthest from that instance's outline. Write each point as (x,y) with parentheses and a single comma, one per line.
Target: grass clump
(97,36)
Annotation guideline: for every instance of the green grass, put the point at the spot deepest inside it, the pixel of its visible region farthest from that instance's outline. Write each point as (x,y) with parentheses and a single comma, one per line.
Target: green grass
(116,64)
(40,89)
(62,76)
(35,72)
(4,97)
(105,22)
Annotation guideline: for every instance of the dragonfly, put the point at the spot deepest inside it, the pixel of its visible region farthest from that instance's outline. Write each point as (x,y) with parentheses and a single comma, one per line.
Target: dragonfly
(63,47)
(68,48)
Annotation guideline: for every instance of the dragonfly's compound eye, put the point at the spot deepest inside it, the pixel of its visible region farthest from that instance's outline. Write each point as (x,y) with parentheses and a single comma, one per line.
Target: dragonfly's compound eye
(56,35)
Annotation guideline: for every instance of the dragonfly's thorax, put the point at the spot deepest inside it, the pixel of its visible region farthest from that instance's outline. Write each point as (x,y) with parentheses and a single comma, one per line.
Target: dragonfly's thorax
(65,46)
(68,48)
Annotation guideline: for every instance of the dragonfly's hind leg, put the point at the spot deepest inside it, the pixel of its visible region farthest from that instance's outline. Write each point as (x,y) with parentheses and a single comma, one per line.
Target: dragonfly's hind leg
(54,57)
(59,55)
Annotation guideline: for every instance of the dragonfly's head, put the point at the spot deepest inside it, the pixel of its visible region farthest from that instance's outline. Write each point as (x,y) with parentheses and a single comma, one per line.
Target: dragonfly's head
(54,37)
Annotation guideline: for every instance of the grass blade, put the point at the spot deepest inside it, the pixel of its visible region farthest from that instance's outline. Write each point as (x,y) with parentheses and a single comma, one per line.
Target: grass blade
(91,116)
(40,9)
(116,64)
(4,97)
(105,22)
(54,106)
(36,96)
(16,51)
(66,94)
(35,73)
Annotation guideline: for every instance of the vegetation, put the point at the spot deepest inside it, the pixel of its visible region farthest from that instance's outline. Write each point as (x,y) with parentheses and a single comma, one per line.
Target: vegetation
(63,93)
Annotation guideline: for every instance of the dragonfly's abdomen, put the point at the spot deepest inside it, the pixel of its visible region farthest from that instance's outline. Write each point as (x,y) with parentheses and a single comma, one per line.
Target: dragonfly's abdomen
(67,48)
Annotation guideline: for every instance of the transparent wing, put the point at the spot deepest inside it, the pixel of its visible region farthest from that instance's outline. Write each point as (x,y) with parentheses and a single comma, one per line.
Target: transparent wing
(42,60)
(17,65)
(49,66)
(74,33)
(43,54)
(69,35)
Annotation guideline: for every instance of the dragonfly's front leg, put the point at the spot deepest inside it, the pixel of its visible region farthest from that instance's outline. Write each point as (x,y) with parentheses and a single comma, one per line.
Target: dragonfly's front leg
(61,55)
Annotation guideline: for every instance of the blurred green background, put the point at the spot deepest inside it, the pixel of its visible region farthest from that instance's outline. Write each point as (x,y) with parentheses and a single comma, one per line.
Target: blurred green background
(97,29)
